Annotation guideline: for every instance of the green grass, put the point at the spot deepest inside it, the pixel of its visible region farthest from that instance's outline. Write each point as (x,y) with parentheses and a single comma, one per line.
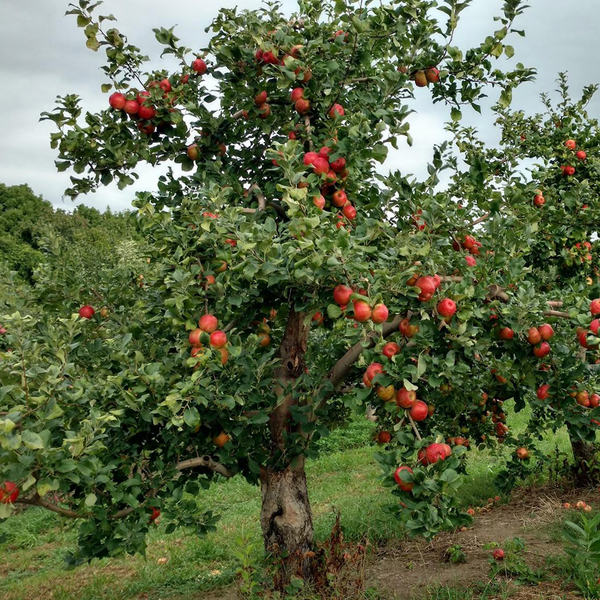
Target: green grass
(345,477)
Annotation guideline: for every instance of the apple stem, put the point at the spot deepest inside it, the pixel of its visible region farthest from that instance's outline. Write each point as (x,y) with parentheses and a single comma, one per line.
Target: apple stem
(414,426)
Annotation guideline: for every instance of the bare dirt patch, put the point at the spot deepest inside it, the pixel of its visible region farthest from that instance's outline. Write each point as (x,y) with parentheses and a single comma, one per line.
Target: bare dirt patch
(406,570)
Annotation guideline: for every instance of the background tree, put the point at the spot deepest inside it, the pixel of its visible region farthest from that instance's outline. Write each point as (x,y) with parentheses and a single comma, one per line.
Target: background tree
(538,193)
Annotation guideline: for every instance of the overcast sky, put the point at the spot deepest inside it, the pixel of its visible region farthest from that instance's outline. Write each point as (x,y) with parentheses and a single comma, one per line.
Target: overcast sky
(44,55)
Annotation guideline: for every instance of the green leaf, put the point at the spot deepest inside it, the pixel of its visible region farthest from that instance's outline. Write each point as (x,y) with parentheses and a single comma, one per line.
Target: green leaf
(32,440)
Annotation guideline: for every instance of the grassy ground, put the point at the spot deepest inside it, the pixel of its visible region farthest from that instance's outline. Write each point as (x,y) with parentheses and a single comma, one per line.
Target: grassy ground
(345,477)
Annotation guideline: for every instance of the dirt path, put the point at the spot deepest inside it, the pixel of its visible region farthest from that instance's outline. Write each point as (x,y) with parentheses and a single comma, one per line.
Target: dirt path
(405,571)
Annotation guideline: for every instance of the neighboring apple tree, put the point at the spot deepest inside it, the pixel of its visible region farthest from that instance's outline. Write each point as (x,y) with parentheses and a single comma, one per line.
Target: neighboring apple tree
(539,195)
(289,278)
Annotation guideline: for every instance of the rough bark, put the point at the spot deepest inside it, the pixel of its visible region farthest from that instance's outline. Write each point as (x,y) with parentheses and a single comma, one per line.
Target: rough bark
(286,521)
(586,469)
(286,517)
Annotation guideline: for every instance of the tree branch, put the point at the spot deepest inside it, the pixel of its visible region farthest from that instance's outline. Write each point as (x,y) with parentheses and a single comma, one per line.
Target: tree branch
(480,220)
(205,462)
(342,367)
(414,426)
(67,512)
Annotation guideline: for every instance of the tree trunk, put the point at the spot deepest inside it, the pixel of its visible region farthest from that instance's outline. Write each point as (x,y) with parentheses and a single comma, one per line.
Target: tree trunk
(286,521)
(286,517)
(585,468)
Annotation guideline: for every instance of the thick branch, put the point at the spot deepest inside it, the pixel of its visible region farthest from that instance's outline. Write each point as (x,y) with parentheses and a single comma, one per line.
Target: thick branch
(557,313)
(205,462)
(342,367)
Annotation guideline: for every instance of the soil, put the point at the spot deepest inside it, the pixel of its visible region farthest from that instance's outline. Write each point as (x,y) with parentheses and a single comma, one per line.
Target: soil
(406,571)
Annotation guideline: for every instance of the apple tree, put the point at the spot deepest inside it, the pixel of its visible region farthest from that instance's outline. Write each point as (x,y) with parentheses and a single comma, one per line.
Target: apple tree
(538,196)
(290,277)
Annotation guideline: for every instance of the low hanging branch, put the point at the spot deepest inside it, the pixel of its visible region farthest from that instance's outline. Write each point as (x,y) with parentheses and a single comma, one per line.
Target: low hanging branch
(206,462)
(67,512)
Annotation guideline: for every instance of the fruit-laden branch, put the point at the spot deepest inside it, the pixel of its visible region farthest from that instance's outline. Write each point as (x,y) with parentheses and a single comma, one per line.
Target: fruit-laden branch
(342,367)
(205,462)
(66,512)
(497,292)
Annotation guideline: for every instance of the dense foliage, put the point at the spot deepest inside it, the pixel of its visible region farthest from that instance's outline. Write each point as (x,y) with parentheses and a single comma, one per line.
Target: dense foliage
(284,273)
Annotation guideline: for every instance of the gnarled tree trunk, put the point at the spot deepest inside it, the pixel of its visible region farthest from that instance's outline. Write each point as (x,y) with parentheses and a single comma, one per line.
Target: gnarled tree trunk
(585,468)
(286,517)
(286,520)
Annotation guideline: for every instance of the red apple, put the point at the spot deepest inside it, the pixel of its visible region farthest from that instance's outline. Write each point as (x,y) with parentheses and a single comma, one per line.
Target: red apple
(194,338)
(390,349)
(506,333)
(542,350)
(421,79)
(296,94)
(302,106)
(498,554)
(337,110)
(533,336)
(349,211)
(309,158)
(522,453)
(146,112)
(581,155)
(405,486)
(470,260)
(539,200)
(117,101)
(419,411)
(384,437)
(406,399)
(131,107)
(380,313)
(546,331)
(436,452)
(595,307)
(320,165)
(9,492)
(373,370)
(595,326)
(319,202)
(342,294)
(543,392)
(260,98)
(264,110)
(199,66)
(208,323)
(362,311)
(218,339)
(407,329)
(338,165)
(432,74)
(570,144)
(427,285)
(339,198)
(193,151)
(87,312)
(594,401)
(165,86)
(446,308)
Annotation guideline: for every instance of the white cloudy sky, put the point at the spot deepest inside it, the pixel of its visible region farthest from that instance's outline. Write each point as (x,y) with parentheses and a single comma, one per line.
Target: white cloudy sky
(43,55)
